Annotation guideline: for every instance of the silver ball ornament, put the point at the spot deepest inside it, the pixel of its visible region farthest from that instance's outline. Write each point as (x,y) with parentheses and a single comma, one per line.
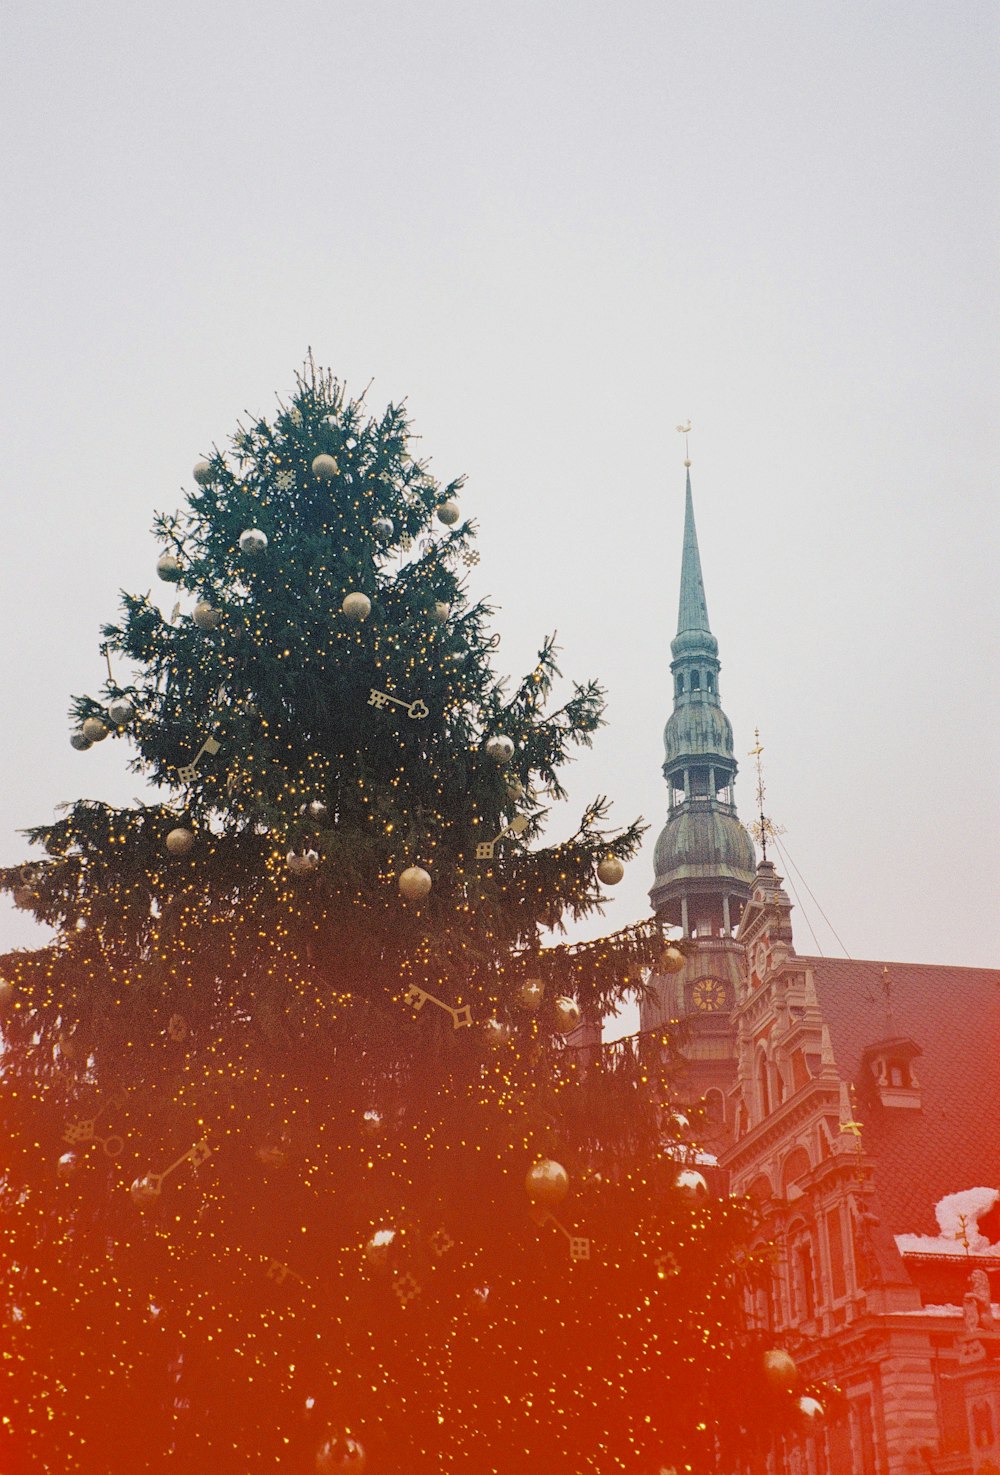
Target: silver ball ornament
(6,995)
(691,1183)
(439,612)
(202,472)
(325,467)
(671,959)
(378,1247)
(567,1013)
(121,711)
(78,741)
(253,542)
(94,730)
(180,841)
(384,527)
(357,607)
(497,1032)
(414,883)
(24,897)
(301,864)
(532,993)
(169,567)
(546,1182)
(206,616)
(500,748)
(811,1408)
(341,1455)
(780,1369)
(610,871)
(448,513)
(515,788)
(67,1166)
(144,1190)
(316,811)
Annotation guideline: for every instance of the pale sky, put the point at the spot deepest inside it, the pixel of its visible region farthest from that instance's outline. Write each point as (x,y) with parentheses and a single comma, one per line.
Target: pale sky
(559,229)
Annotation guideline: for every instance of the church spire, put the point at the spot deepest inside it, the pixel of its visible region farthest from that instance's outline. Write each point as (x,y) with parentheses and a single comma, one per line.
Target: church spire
(692,611)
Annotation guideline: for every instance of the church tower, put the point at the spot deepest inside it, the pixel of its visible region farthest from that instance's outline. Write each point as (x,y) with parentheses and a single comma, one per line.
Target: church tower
(704,860)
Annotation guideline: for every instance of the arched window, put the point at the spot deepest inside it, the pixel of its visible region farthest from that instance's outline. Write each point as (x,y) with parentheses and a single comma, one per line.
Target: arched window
(715,1106)
(763,1085)
(679,683)
(695,680)
(710,681)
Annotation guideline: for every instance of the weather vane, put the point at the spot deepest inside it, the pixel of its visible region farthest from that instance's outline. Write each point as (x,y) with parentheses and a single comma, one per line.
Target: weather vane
(685,430)
(762,827)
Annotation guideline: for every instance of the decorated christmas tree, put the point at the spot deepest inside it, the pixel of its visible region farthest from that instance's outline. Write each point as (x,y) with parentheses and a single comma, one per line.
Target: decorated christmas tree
(309,1166)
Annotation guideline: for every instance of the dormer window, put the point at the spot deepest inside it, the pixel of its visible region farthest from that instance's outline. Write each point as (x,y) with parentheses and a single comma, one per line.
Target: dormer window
(889,1065)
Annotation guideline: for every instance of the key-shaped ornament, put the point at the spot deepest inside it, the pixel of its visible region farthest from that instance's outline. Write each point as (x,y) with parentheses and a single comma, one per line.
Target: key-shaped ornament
(149,1187)
(417,709)
(579,1245)
(85,1130)
(418,997)
(211,745)
(279,1273)
(517,826)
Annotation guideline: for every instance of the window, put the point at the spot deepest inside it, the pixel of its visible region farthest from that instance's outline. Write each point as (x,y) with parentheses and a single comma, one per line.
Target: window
(802,1280)
(763,1094)
(695,680)
(679,682)
(838,1253)
(710,681)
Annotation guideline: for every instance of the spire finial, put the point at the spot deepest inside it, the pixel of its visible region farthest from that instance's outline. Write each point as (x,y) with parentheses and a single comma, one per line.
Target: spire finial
(762,826)
(685,430)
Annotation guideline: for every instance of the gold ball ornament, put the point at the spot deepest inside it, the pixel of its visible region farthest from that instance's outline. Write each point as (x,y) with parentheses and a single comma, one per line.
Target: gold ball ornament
(610,871)
(24,897)
(121,711)
(671,959)
(780,1369)
(78,741)
(341,1455)
(439,612)
(169,568)
(325,467)
(532,993)
(6,995)
(448,513)
(515,789)
(94,730)
(414,883)
(691,1183)
(546,1183)
(811,1408)
(316,811)
(202,472)
(67,1166)
(253,542)
(206,616)
(302,863)
(357,607)
(567,1013)
(180,841)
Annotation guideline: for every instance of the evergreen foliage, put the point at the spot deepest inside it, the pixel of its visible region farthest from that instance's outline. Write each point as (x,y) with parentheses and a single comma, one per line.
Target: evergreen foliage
(347,1250)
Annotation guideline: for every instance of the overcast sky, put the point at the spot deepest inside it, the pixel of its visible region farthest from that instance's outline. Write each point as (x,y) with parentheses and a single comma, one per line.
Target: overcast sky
(559,229)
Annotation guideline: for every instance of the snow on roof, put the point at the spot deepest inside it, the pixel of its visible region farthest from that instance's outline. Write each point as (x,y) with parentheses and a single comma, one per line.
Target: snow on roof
(958,1216)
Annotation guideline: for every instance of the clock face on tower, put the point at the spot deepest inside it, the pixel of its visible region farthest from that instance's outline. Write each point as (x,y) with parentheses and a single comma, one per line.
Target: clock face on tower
(708,995)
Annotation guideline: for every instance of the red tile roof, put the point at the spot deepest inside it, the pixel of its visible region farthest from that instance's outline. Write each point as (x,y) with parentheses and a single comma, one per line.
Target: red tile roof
(953,1014)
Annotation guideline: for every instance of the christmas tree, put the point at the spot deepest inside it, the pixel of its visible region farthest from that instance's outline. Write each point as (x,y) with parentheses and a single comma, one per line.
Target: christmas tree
(309,1166)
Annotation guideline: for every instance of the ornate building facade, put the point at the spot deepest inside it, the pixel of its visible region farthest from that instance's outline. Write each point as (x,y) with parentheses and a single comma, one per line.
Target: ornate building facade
(858,1103)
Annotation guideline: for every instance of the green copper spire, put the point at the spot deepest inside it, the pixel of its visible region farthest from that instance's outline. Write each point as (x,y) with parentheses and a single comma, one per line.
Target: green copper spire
(692,613)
